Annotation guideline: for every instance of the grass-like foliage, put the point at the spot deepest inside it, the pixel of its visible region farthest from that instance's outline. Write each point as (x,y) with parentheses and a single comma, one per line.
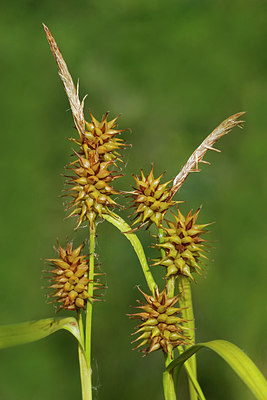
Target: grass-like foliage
(165,314)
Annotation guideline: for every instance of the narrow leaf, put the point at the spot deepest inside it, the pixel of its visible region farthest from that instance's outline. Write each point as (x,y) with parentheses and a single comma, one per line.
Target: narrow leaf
(236,358)
(195,383)
(27,332)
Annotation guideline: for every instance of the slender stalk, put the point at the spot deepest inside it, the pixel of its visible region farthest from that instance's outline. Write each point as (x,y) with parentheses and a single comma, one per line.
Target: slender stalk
(85,371)
(168,382)
(184,287)
(89,310)
(161,240)
(171,280)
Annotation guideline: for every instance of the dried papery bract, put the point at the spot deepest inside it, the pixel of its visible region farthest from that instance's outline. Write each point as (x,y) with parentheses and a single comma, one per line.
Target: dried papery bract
(71,91)
(100,136)
(197,157)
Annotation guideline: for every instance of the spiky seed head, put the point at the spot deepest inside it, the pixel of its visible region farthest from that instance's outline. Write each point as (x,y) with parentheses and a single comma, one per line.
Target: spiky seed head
(161,327)
(150,199)
(183,245)
(70,277)
(91,190)
(101,137)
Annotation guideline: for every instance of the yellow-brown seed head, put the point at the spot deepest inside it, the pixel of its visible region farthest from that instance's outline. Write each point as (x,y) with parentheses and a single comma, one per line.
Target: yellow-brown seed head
(183,245)
(101,137)
(91,190)
(70,277)
(162,327)
(151,199)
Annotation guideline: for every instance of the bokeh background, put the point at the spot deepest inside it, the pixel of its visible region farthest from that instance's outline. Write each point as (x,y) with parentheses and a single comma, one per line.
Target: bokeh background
(174,70)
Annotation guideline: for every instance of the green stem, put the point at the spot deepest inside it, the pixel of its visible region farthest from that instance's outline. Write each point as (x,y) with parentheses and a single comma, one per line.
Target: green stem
(184,287)
(168,382)
(171,280)
(123,227)
(161,240)
(168,379)
(85,371)
(89,310)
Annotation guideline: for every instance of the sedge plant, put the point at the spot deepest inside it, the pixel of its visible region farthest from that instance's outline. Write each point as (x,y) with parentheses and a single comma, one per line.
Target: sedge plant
(165,314)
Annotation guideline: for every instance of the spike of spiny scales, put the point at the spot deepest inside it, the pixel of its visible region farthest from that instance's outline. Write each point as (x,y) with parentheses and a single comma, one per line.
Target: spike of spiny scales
(151,199)
(91,189)
(70,279)
(182,245)
(101,137)
(161,327)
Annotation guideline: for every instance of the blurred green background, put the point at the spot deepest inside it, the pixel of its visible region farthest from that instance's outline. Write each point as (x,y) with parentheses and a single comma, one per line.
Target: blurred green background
(174,70)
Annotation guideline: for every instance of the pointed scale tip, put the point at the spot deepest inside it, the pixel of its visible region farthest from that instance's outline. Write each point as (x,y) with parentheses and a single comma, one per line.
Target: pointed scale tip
(47,31)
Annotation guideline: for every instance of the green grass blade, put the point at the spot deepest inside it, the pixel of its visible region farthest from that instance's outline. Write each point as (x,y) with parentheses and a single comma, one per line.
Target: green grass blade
(124,228)
(236,358)
(27,332)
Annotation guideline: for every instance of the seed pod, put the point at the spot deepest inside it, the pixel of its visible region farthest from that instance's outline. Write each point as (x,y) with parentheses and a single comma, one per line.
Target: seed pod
(161,332)
(183,246)
(150,199)
(71,283)
(101,137)
(91,190)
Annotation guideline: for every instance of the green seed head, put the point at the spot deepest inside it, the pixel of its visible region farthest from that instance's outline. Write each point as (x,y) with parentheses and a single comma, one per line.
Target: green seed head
(70,278)
(160,328)
(91,188)
(183,246)
(151,200)
(101,137)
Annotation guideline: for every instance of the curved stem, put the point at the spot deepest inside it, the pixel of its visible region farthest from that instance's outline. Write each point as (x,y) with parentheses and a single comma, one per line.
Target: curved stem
(184,287)
(123,227)
(85,371)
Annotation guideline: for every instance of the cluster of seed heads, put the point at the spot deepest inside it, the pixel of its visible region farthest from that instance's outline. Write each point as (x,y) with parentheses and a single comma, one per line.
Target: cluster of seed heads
(94,168)
(161,327)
